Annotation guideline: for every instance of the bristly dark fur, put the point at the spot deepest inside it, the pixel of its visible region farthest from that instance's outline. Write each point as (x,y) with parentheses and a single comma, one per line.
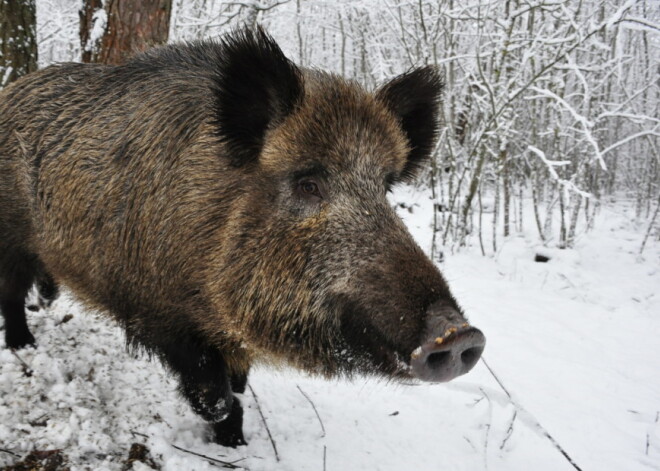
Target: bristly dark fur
(415,98)
(17,273)
(170,193)
(255,88)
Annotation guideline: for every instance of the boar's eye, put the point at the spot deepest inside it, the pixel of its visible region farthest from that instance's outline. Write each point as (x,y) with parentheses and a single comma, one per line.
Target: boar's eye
(309,188)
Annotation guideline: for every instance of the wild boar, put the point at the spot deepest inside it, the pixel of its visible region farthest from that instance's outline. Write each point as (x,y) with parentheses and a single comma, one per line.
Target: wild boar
(229,207)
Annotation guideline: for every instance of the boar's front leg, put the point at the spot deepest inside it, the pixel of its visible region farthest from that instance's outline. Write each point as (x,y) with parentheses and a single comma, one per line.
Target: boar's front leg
(205,383)
(17,271)
(238,382)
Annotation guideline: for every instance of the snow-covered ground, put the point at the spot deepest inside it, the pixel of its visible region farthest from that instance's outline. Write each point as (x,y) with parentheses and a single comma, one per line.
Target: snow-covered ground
(573,343)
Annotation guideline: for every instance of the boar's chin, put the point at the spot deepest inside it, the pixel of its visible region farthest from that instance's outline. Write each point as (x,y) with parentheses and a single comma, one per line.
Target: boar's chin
(351,361)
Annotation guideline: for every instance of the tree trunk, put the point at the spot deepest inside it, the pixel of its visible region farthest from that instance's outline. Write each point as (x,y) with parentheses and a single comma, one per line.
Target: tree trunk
(496,212)
(18,39)
(301,50)
(562,214)
(506,186)
(520,209)
(537,216)
(114,30)
(575,215)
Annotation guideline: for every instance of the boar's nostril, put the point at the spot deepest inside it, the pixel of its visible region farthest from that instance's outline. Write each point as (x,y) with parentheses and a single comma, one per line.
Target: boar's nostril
(471,356)
(438,359)
(447,357)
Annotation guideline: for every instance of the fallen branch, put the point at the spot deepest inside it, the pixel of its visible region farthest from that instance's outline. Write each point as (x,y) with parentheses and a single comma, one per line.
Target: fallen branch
(315,411)
(270,436)
(224,464)
(2,450)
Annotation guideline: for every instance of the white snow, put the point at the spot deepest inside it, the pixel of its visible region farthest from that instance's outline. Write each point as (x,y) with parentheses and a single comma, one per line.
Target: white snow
(99,24)
(574,341)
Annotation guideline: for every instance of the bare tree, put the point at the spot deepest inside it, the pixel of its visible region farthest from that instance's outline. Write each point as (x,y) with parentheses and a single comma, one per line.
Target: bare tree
(197,19)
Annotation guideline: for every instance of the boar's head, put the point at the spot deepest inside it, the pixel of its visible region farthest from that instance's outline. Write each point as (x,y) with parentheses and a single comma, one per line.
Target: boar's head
(314,267)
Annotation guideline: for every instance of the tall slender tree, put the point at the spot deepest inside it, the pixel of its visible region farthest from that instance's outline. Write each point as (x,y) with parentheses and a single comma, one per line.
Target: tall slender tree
(113,30)
(18,39)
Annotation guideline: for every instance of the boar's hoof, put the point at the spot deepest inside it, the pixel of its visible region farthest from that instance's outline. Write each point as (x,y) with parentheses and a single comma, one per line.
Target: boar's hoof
(238,383)
(229,432)
(17,340)
(227,438)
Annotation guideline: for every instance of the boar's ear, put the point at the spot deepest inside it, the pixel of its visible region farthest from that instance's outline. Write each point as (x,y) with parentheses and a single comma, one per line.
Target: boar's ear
(415,98)
(256,87)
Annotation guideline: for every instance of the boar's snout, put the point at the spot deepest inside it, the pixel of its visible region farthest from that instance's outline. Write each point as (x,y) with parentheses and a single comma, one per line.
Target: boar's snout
(449,349)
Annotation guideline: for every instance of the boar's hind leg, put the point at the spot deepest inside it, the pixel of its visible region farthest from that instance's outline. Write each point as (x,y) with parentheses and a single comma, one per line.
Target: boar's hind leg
(48,289)
(205,383)
(17,272)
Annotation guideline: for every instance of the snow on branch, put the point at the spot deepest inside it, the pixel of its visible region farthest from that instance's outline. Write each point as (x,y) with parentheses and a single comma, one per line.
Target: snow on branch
(620,13)
(5,76)
(551,164)
(257,5)
(583,121)
(639,24)
(653,132)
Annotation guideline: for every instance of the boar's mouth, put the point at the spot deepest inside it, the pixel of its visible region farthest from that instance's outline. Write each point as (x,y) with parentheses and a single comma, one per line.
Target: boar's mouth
(363,348)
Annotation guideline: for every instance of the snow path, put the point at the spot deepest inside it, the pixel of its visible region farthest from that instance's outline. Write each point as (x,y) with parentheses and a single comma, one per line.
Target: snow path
(575,342)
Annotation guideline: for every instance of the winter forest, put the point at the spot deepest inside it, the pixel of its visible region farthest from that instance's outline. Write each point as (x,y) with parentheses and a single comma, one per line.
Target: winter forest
(540,206)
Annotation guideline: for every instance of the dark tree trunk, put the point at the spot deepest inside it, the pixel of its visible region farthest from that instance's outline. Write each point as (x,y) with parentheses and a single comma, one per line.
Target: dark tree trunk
(88,45)
(129,26)
(18,39)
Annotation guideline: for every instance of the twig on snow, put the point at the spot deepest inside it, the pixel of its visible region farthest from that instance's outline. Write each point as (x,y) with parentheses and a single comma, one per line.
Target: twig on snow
(134,433)
(509,431)
(315,411)
(224,464)
(490,416)
(477,401)
(272,442)
(27,371)
(324,452)
(542,429)
(648,438)
(506,391)
(470,443)
(64,320)
(39,421)
(2,450)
